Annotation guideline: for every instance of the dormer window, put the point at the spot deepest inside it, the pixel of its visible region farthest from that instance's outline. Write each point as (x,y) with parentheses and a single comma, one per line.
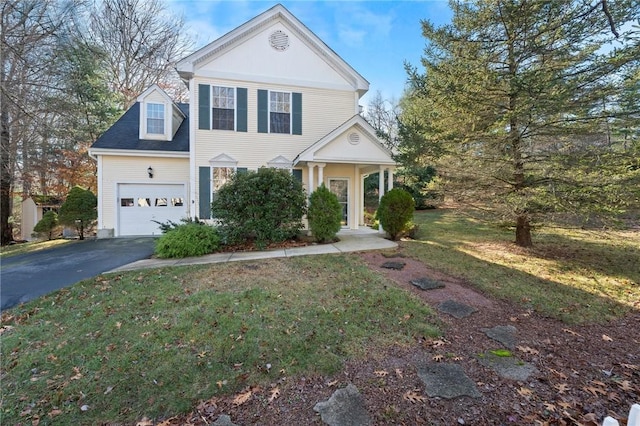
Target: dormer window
(155,119)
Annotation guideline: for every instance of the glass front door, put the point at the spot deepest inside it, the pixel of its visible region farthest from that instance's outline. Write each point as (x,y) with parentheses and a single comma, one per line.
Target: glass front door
(340,187)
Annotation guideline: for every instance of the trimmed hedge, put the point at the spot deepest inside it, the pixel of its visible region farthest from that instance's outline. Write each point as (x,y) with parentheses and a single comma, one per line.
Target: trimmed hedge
(395,211)
(325,215)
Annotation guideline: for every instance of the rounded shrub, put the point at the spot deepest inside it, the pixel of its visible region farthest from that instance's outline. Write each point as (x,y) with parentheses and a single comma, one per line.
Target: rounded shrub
(265,206)
(190,239)
(395,211)
(47,225)
(324,215)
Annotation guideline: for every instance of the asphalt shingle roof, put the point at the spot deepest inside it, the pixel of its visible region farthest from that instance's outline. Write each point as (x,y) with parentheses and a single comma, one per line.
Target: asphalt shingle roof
(124,134)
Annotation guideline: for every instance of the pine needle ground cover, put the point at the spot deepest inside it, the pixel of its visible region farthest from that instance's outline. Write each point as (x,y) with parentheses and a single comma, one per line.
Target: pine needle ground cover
(575,275)
(121,347)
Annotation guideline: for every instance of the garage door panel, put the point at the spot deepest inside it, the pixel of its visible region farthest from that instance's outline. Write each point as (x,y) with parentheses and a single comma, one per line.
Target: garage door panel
(139,205)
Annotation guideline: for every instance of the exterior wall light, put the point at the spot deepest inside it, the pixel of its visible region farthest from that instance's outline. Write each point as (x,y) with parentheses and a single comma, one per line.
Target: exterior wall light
(150,172)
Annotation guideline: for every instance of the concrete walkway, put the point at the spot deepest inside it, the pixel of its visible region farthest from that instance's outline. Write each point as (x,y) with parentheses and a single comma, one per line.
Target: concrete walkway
(350,241)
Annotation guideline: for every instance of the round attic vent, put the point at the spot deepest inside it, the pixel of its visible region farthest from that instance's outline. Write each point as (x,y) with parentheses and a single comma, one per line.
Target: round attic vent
(279,40)
(354,138)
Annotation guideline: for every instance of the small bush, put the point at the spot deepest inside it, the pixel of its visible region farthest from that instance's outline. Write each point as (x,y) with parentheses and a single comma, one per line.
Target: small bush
(325,215)
(190,239)
(47,225)
(265,206)
(170,225)
(79,210)
(395,211)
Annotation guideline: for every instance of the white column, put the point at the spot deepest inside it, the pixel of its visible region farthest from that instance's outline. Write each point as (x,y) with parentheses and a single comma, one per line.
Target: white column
(390,183)
(356,198)
(310,166)
(321,173)
(361,179)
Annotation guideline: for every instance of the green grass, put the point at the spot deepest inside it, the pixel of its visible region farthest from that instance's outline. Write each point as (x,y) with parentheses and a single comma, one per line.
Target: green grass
(154,343)
(570,274)
(15,249)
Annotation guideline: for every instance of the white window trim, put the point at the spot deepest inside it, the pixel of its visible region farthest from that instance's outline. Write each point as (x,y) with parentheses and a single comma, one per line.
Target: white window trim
(235,107)
(143,122)
(290,111)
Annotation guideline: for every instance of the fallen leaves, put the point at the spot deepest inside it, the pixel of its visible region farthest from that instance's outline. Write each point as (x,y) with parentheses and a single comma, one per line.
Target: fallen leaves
(274,394)
(413,397)
(561,387)
(242,397)
(606,338)
(527,350)
(380,373)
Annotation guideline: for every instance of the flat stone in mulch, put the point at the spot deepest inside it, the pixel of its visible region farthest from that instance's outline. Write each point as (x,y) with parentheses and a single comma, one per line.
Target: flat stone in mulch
(508,367)
(446,381)
(393,265)
(223,420)
(344,408)
(427,283)
(456,309)
(505,334)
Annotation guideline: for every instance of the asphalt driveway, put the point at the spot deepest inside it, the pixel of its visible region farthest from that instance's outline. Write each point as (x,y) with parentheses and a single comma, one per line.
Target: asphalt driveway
(27,276)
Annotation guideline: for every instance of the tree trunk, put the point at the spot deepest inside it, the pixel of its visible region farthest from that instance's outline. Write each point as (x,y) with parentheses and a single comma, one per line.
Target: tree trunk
(6,230)
(523,231)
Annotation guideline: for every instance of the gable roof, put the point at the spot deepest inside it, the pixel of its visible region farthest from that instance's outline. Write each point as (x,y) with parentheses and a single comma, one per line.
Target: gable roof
(125,134)
(187,66)
(354,141)
(155,88)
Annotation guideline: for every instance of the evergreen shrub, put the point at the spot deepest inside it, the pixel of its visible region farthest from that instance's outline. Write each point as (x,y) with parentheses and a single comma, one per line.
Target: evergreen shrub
(265,206)
(47,225)
(189,239)
(395,212)
(325,215)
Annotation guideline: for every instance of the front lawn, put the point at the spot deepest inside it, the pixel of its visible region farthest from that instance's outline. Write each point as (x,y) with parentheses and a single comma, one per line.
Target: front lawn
(575,275)
(121,347)
(21,248)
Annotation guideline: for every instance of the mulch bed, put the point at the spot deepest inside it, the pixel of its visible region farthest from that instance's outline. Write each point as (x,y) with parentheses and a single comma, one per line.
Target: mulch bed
(583,373)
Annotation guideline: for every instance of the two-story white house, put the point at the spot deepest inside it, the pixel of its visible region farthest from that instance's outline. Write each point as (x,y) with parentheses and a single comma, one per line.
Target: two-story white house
(270,93)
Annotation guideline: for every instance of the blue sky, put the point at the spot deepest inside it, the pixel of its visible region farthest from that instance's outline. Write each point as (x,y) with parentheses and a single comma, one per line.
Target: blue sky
(374,37)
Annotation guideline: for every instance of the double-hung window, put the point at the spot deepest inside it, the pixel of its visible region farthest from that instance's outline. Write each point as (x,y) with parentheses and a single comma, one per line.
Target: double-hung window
(155,119)
(223,108)
(280,112)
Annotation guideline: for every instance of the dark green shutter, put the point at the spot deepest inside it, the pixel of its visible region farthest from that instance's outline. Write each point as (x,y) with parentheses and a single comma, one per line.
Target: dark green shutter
(296,109)
(204,102)
(204,193)
(241,110)
(263,111)
(297,173)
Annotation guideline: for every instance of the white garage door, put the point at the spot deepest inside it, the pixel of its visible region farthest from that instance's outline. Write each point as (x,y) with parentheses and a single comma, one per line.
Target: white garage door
(140,204)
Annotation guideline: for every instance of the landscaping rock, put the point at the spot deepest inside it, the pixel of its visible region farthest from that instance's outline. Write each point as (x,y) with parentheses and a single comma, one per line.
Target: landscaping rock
(393,265)
(458,310)
(344,408)
(447,381)
(427,283)
(505,334)
(223,420)
(508,367)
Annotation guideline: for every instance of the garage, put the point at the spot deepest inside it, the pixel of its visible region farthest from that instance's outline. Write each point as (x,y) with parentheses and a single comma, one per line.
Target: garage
(139,205)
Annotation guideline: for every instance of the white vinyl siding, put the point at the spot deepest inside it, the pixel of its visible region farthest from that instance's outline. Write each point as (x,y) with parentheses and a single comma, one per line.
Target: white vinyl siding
(253,149)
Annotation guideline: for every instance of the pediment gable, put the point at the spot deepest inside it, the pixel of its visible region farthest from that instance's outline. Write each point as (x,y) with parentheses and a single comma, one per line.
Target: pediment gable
(354,142)
(280,162)
(223,160)
(274,46)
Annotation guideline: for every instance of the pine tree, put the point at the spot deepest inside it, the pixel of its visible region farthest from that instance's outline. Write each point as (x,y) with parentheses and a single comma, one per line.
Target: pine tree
(512,91)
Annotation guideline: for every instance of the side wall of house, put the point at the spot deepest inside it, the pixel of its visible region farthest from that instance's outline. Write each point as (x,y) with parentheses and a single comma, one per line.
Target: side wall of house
(115,170)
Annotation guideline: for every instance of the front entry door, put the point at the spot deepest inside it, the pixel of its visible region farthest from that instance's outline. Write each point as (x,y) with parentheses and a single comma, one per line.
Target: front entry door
(340,187)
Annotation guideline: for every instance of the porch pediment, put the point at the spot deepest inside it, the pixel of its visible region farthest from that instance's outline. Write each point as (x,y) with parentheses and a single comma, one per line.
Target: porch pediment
(353,142)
